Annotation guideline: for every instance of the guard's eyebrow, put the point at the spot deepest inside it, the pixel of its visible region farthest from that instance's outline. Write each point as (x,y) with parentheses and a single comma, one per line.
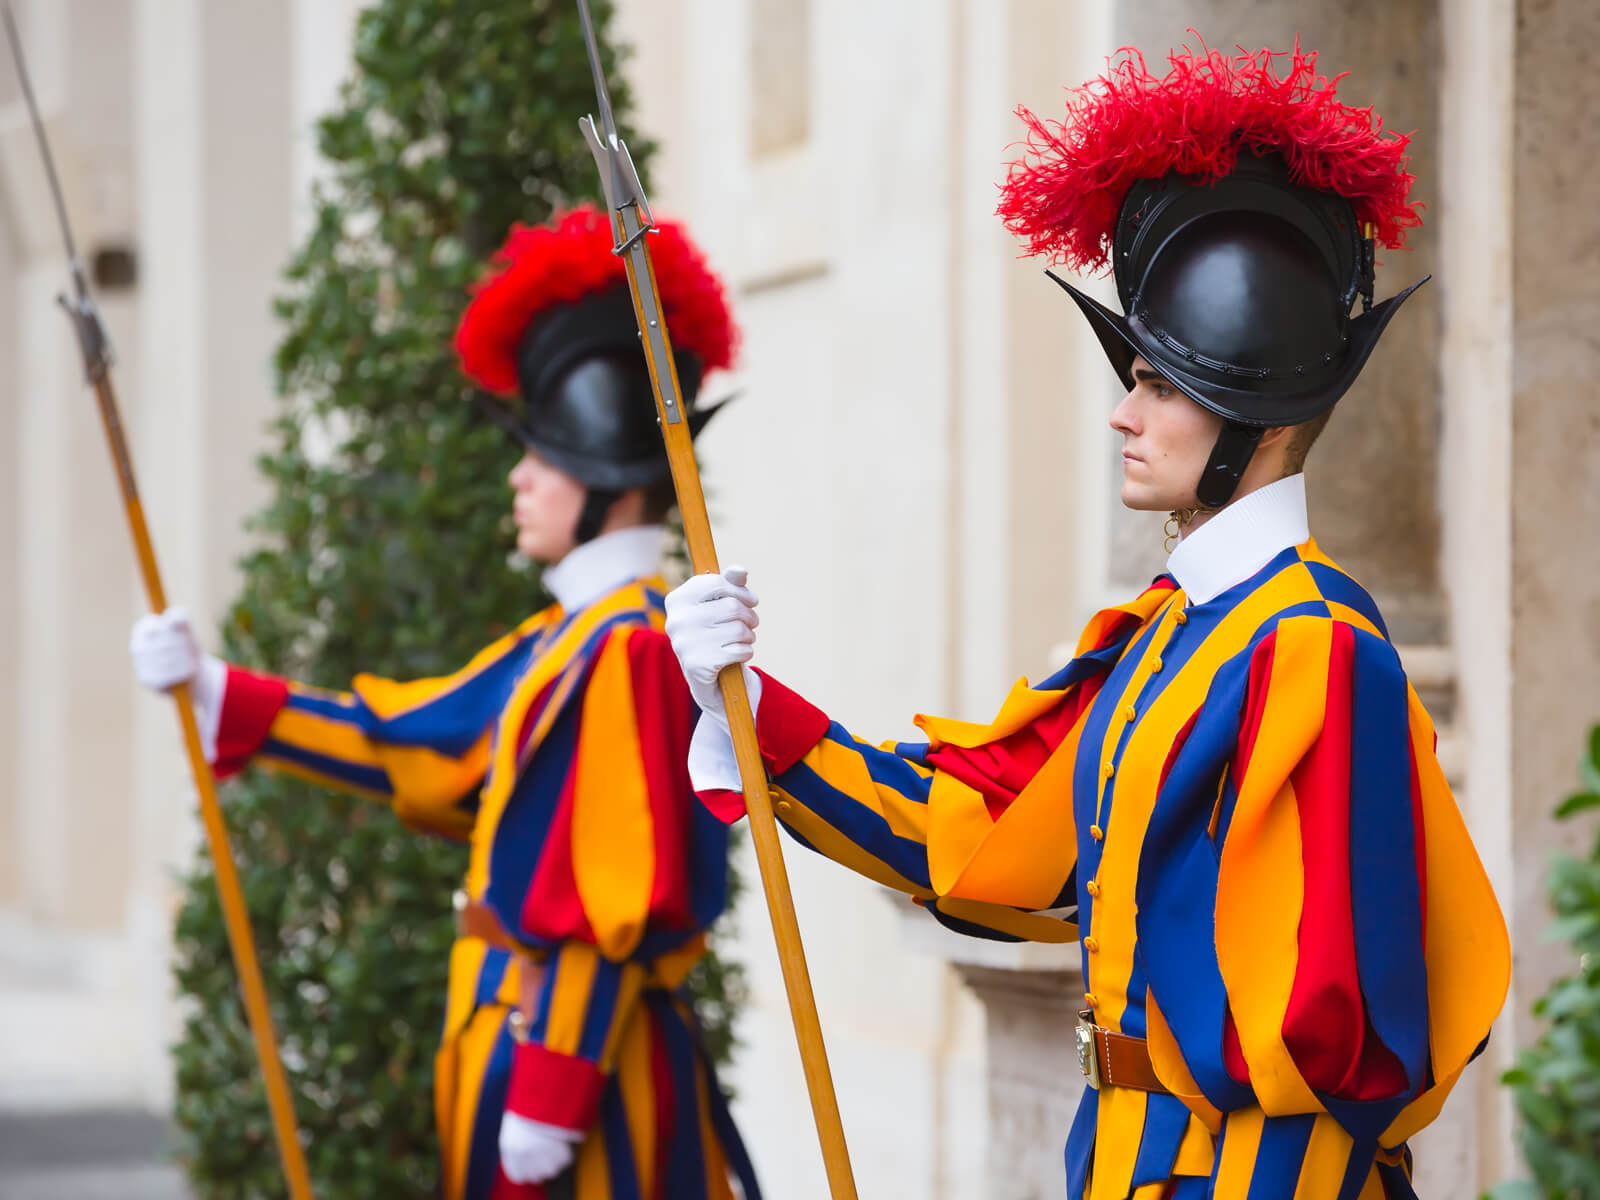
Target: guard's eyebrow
(1142,376)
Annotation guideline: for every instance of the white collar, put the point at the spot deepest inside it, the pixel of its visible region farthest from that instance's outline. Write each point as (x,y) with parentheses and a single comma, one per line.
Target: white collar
(603,565)
(1241,539)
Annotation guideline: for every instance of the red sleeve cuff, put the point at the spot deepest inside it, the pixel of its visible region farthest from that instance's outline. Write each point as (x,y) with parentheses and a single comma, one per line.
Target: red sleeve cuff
(788,726)
(250,704)
(554,1089)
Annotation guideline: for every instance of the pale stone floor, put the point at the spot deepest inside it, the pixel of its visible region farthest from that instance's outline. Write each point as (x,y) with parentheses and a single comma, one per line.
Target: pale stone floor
(87,1155)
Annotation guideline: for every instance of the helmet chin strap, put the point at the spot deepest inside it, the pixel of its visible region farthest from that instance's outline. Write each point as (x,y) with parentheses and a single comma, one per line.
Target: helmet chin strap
(1234,448)
(596,504)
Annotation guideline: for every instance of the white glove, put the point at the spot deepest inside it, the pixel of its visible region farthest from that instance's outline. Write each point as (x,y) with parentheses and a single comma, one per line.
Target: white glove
(711,622)
(532,1152)
(166,653)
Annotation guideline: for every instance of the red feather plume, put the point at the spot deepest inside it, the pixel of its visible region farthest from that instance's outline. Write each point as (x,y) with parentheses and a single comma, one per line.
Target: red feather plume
(1062,197)
(544,265)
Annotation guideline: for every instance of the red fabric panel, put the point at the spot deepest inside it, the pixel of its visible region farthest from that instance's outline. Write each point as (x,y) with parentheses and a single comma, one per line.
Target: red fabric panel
(1325,1026)
(666,1101)
(727,807)
(1000,770)
(1325,1019)
(1260,672)
(250,704)
(663,713)
(1233,1051)
(552,908)
(788,725)
(554,1089)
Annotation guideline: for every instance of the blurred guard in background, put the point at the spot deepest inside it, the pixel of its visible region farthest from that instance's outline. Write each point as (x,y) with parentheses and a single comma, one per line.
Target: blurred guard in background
(570,1062)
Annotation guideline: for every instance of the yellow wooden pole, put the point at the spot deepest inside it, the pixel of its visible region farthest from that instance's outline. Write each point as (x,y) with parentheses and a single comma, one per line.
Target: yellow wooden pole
(234,914)
(741,722)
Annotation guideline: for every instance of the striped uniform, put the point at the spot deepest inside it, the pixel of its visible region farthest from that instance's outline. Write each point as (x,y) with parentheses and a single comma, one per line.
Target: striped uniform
(558,754)
(1235,807)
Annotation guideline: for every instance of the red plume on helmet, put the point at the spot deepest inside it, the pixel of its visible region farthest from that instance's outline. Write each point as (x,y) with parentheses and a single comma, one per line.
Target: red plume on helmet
(1063,196)
(542,266)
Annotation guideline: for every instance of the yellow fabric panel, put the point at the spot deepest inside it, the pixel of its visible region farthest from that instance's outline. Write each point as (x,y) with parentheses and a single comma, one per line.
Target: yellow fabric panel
(1119,1128)
(718,1186)
(390,698)
(1030,926)
(459,1069)
(575,965)
(1022,860)
(635,1079)
(1326,1159)
(332,783)
(835,845)
(1021,707)
(541,673)
(1240,1143)
(845,770)
(628,989)
(466,960)
(592,1169)
(429,787)
(1260,889)
(1132,801)
(1170,1068)
(613,829)
(1468,950)
(1197,1152)
(1344,614)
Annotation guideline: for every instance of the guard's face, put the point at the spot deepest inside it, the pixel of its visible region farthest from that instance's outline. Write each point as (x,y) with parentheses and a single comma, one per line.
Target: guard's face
(545,504)
(1166,440)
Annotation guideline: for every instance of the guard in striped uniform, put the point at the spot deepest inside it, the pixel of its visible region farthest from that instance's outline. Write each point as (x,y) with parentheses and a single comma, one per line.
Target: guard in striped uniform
(1230,797)
(570,1062)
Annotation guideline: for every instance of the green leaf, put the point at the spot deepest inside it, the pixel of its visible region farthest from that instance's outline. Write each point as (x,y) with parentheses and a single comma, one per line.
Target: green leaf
(1578,802)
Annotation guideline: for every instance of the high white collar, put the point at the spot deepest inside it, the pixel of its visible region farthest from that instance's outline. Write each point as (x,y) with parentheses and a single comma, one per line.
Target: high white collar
(603,565)
(1241,539)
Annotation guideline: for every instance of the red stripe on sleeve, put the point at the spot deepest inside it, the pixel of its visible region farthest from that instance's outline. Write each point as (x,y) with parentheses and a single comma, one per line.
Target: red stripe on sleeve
(552,908)
(1325,1019)
(1000,770)
(250,704)
(663,712)
(788,725)
(1260,673)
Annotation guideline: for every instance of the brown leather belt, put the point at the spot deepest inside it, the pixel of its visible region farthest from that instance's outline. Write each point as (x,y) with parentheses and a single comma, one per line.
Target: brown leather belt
(1114,1059)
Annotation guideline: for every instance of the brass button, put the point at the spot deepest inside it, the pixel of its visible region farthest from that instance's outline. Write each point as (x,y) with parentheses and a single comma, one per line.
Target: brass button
(1097,833)
(1155,665)
(784,806)
(1182,618)
(1091,944)
(1090,1000)
(1129,713)
(1092,888)
(1108,769)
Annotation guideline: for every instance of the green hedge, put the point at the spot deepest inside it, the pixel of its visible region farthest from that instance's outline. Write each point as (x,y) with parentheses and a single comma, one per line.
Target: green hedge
(1556,1081)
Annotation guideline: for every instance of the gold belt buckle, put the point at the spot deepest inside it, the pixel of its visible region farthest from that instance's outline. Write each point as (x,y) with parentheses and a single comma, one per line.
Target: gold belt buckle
(1088,1060)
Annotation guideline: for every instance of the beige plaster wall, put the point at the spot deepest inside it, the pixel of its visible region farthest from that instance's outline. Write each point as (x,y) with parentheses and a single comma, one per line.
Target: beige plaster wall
(1556,446)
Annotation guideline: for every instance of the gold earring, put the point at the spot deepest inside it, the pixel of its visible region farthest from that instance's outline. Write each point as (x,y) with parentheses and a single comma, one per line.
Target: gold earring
(1177,521)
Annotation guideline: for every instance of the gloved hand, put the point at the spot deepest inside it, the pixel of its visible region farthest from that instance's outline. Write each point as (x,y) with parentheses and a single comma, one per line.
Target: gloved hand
(166,653)
(711,622)
(532,1152)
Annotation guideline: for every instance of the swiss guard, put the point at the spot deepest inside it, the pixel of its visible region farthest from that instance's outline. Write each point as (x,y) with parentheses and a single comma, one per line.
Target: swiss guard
(1230,798)
(570,1055)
